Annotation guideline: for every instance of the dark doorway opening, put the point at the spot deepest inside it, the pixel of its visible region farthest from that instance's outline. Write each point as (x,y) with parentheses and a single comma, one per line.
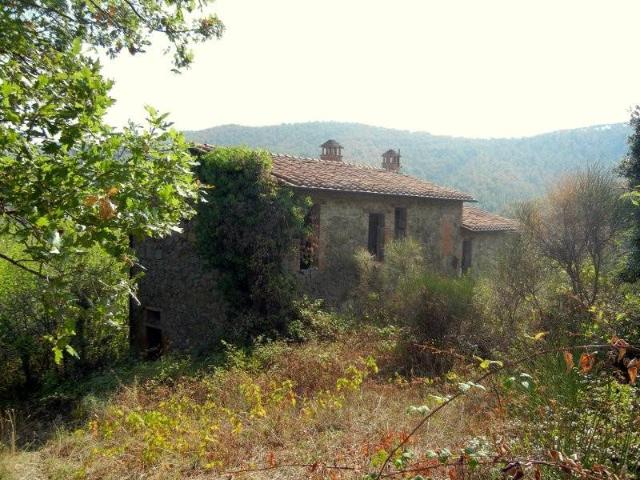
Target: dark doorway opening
(154,342)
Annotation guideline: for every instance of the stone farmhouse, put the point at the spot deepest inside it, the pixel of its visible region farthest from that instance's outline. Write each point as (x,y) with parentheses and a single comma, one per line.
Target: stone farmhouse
(353,206)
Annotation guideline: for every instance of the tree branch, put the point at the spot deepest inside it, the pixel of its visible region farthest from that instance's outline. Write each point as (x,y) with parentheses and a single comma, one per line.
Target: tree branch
(23,267)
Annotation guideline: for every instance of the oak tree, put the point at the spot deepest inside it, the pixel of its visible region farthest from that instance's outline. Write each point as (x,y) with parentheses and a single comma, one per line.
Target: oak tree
(68,181)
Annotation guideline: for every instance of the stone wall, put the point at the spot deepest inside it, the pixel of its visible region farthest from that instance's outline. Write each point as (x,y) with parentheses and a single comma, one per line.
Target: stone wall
(191,309)
(175,283)
(485,248)
(344,227)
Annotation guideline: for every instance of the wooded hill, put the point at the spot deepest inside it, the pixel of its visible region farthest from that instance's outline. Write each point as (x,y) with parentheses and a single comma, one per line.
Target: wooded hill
(496,171)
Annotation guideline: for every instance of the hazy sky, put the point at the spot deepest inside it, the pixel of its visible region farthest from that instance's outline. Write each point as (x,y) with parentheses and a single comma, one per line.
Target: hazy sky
(487,68)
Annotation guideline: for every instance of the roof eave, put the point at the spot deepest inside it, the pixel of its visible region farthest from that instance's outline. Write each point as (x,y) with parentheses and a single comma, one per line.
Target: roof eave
(489,229)
(370,192)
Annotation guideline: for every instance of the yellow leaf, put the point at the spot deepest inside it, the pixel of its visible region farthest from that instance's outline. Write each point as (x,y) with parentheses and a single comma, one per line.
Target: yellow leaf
(539,336)
(112,191)
(568,359)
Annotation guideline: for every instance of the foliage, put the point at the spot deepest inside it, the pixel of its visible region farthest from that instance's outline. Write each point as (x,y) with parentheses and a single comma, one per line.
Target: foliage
(183,417)
(70,183)
(31,310)
(402,290)
(594,417)
(576,226)
(247,230)
(313,322)
(630,168)
(33,30)
(514,295)
(496,171)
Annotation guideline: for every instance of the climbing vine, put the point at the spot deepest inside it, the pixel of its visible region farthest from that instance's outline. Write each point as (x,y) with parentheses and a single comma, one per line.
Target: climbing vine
(246,230)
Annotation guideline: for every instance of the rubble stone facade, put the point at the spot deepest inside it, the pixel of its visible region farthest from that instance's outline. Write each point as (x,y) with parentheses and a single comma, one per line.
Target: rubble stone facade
(354,207)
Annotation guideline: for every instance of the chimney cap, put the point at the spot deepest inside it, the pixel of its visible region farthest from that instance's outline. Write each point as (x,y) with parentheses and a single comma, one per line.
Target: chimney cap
(391,153)
(331,143)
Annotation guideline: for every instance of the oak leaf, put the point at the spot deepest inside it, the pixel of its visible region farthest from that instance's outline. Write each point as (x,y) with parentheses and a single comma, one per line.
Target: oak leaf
(537,474)
(107,209)
(513,470)
(453,474)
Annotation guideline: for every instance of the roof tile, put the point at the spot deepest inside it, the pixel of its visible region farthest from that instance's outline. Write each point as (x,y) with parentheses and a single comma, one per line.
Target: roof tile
(315,174)
(478,220)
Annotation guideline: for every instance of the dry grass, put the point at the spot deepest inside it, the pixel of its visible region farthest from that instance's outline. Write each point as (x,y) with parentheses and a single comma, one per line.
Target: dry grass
(317,402)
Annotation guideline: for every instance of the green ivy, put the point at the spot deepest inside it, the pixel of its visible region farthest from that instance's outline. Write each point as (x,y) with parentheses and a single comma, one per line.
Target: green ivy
(246,230)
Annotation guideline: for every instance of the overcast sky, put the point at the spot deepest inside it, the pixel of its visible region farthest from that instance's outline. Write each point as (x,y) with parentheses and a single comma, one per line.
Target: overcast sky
(483,68)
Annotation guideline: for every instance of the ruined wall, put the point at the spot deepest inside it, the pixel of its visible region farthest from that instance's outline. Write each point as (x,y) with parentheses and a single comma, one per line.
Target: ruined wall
(175,283)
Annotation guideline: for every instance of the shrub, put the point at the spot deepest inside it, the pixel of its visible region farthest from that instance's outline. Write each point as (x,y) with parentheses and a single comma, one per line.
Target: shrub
(592,418)
(401,290)
(315,323)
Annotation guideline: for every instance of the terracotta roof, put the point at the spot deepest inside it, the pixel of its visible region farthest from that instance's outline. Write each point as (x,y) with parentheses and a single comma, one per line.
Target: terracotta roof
(314,174)
(478,220)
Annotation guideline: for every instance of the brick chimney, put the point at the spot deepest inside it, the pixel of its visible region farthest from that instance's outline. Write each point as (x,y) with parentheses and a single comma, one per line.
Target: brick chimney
(391,161)
(331,150)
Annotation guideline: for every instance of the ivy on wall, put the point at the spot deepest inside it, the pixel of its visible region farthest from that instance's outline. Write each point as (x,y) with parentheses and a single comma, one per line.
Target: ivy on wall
(246,230)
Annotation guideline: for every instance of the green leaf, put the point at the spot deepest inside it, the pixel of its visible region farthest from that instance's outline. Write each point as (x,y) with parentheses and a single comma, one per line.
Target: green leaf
(57,355)
(71,351)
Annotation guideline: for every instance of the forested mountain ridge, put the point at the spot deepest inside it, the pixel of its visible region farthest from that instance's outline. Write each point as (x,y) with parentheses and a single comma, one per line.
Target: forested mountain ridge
(496,171)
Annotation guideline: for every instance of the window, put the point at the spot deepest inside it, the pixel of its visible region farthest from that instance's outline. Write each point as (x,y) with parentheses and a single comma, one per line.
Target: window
(467,250)
(376,235)
(309,256)
(400,223)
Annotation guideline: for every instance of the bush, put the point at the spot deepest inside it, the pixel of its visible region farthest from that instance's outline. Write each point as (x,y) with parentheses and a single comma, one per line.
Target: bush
(402,291)
(315,323)
(592,418)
